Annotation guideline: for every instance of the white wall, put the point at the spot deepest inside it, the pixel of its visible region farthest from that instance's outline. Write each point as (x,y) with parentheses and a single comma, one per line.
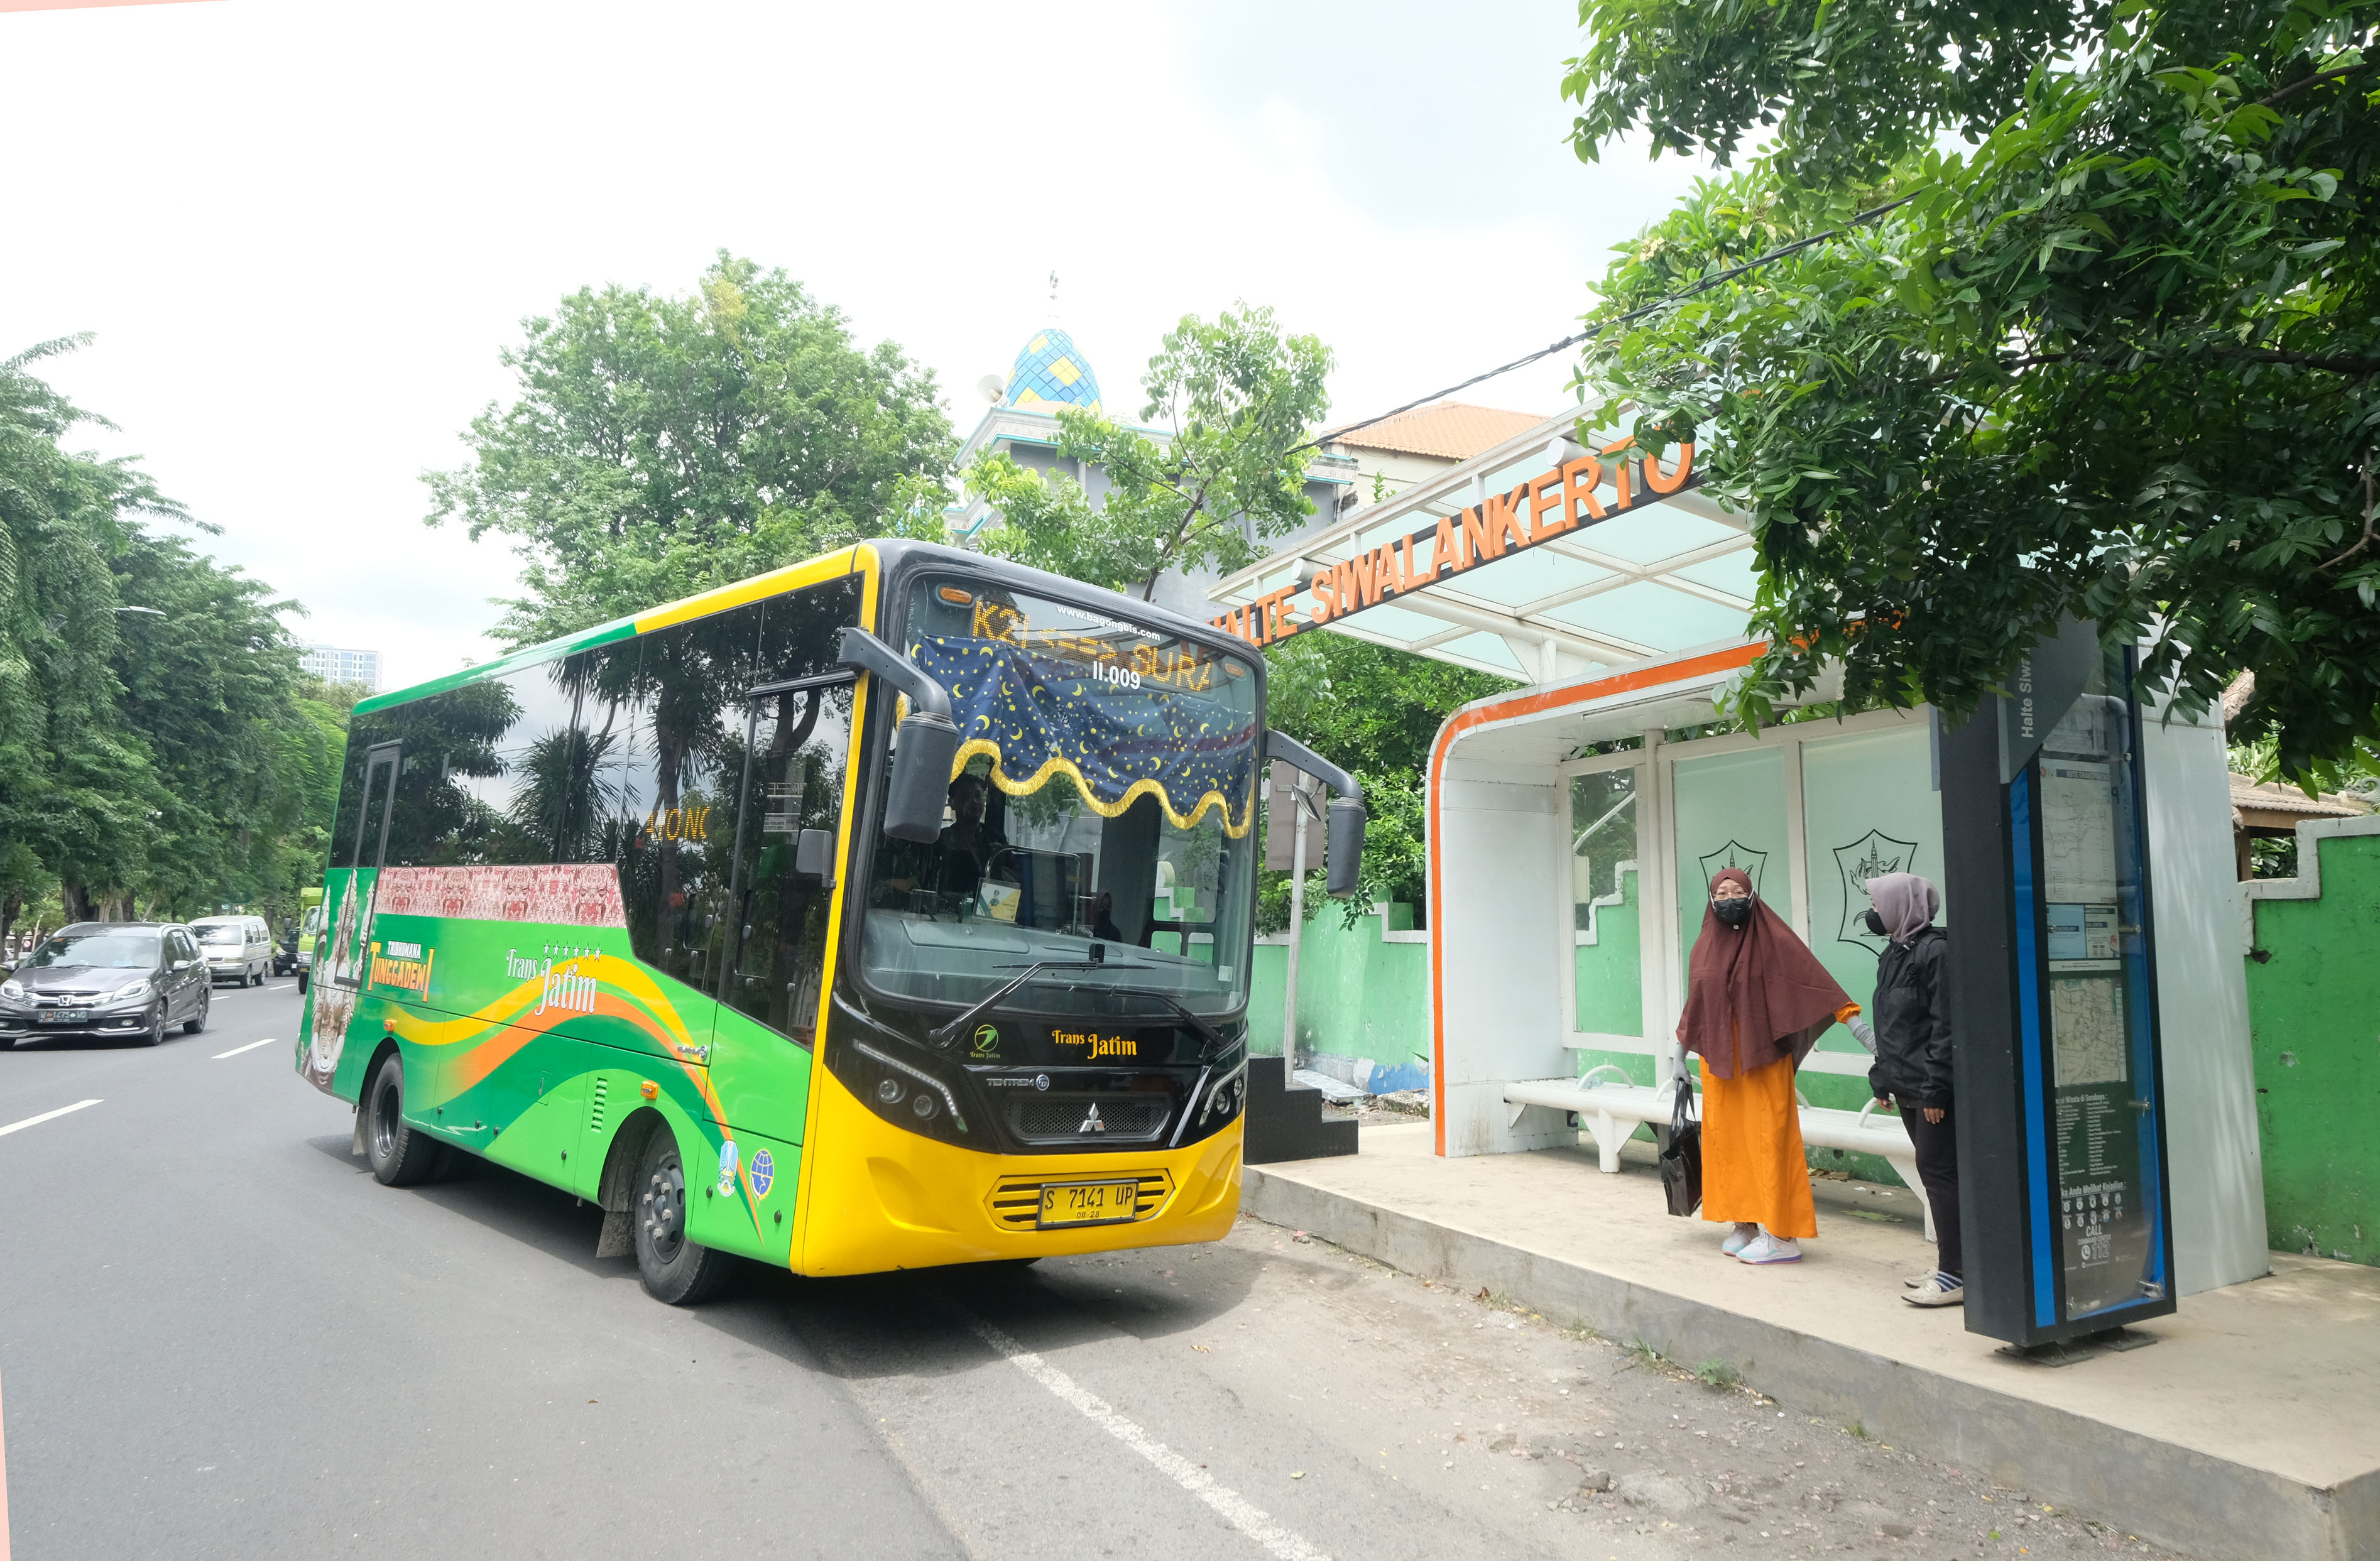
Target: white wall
(2212,1151)
(1502,865)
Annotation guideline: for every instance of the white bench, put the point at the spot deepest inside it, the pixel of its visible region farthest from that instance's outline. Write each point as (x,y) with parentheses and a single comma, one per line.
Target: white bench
(1612,1110)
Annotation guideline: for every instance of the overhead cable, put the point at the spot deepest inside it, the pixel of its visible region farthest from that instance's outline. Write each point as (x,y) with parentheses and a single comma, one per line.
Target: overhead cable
(1703,286)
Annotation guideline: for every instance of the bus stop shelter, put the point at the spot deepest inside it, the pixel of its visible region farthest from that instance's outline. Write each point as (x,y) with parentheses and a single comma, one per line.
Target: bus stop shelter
(1574,822)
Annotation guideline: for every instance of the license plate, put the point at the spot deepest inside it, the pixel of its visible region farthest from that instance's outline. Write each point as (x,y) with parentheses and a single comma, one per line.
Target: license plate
(67,1016)
(1088,1203)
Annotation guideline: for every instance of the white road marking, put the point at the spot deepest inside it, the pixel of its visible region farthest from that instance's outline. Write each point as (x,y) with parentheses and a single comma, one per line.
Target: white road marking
(1233,1509)
(36,1122)
(288,986)
(236,1050)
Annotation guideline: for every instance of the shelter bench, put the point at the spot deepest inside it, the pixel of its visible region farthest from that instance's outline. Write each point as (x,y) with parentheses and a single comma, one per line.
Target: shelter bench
(1611,1109)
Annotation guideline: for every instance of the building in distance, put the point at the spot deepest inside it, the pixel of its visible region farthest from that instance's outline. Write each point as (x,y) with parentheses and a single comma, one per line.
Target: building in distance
(334,663)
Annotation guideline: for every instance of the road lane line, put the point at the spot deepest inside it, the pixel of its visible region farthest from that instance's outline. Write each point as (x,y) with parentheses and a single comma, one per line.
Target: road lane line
(281,988)
(236,1050)
(1233,1509)
(36,1122)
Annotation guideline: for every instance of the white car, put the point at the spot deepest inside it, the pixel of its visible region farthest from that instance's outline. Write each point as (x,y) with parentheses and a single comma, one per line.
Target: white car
(236,947)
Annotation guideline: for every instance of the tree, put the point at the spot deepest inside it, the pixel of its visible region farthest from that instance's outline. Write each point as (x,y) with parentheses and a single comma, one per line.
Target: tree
(1238,399)
(2121,359)
(76,791)
(155,750)
(1375,710)
(659,446)
(238,807)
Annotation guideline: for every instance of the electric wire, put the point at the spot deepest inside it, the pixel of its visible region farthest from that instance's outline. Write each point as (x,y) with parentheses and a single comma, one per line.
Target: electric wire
(1701,285)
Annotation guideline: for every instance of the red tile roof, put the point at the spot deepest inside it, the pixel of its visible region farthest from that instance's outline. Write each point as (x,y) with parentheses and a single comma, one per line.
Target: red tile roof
(1448,430)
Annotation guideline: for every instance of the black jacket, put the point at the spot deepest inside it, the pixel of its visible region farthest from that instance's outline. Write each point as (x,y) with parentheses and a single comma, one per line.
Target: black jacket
(1913,1021)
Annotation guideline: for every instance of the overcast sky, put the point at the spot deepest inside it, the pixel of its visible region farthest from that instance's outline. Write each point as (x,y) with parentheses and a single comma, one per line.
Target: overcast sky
(302,231)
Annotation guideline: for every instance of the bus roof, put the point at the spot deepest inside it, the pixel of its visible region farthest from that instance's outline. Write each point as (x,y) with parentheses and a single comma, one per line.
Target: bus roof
(843,562)
(885,552)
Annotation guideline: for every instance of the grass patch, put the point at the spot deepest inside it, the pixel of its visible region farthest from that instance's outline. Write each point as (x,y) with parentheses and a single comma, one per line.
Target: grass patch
(1719,1373)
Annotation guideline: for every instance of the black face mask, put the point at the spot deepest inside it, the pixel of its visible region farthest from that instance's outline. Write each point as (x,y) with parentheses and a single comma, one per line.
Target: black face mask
(1874,923)
(1734,913)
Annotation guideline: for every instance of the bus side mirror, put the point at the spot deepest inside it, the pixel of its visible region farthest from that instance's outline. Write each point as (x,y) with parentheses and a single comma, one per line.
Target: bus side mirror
(1346,845)
(814,856)
(922,761)
(926,748)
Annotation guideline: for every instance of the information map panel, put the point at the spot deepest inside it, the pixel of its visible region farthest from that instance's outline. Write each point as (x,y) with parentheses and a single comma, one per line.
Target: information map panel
(2059,1091)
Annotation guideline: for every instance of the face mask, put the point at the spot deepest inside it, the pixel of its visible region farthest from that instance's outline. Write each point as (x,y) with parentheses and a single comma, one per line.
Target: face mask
(1734,913)
(1874,923)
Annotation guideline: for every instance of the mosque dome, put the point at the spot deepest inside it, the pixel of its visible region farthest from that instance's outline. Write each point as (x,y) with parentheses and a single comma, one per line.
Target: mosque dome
(1051,372)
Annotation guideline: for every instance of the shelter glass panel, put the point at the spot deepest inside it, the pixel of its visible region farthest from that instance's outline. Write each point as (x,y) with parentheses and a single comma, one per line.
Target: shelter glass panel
(1604,904)
(1730,813)
(1869,808)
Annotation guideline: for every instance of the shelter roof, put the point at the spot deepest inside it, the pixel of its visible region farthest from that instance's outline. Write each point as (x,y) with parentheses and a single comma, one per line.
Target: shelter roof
(1477,566)
(1452,430)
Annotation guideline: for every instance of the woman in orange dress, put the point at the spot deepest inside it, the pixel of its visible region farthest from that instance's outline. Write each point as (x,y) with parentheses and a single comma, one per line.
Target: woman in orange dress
(1756,1001)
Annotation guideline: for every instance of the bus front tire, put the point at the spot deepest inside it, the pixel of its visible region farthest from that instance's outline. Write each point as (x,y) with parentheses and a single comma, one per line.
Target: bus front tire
(674,1269)
(400,1157)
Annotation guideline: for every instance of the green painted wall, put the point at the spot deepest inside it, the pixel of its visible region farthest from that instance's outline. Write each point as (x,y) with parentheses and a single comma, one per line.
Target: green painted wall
(2313,1019)
(1611,970)
(1358,995)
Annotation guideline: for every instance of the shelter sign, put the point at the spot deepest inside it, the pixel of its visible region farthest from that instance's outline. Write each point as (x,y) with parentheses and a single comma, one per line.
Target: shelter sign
(2060,1093)
(1562,499)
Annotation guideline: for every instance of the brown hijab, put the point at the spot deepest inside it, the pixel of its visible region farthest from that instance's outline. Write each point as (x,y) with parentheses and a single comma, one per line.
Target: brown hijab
(1753,993)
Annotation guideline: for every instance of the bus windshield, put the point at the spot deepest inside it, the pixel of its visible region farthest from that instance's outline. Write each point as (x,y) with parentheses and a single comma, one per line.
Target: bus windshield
(1105,795)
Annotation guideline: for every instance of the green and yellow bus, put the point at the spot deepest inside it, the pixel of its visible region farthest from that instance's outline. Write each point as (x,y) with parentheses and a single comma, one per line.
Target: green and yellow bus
(891,910)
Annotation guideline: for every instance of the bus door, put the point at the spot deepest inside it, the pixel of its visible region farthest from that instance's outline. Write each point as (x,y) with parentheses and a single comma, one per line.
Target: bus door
(789,828)
(349,955)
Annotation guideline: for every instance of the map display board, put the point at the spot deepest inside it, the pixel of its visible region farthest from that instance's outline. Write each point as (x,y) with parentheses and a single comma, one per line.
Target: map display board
(2095,1017)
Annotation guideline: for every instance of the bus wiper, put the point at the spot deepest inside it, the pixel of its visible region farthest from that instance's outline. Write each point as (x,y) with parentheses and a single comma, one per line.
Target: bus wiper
(946,1033)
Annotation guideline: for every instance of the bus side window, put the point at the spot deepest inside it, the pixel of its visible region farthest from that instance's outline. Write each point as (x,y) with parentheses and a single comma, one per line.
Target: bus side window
(799,741)
(673,784)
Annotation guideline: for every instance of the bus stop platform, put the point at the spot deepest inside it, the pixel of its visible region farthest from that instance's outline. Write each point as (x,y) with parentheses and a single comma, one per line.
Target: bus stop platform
(2250,1428)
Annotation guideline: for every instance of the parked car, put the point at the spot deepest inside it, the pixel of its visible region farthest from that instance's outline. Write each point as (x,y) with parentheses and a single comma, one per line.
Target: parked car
(107,978)
(239,947)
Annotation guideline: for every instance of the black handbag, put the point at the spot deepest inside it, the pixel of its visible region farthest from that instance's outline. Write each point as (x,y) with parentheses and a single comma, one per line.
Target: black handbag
(1682,1156)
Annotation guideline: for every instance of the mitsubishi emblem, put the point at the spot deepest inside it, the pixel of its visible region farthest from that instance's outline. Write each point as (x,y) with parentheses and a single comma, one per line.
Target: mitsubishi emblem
(1092,1123)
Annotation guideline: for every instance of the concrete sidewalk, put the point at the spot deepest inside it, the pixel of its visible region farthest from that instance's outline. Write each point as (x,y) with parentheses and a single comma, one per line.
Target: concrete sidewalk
(2251,1430)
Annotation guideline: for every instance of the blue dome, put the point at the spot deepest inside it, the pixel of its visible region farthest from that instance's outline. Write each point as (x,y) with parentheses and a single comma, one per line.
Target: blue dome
(1051,372)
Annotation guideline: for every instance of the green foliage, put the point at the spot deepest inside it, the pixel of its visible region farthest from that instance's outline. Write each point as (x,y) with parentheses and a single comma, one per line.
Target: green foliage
(1238,399)
(1376,711)
(2121,359)
(163,761)
(1720,1375)
(659,446)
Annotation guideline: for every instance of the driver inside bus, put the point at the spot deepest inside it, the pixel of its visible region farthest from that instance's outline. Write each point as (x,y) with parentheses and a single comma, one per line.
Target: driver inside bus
(953,865)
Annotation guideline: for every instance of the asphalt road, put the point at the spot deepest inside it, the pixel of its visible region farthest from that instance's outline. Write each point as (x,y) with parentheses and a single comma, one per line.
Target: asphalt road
(219,1337)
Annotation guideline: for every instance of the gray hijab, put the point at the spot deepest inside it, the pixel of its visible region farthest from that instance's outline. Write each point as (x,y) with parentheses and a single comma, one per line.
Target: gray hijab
(1904,902)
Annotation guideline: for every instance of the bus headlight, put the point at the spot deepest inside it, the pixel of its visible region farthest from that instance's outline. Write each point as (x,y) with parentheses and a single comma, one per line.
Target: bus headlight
(924,1107)
(889,1090)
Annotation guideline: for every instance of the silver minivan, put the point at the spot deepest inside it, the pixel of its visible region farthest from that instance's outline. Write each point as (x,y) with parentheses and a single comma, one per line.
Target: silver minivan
(237,947)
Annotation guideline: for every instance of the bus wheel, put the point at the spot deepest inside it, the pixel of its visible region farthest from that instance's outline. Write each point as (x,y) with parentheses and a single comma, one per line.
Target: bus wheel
(674,1269)
(399,1156)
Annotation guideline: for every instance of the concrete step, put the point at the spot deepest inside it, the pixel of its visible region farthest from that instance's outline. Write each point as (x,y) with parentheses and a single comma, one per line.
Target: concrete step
(1286,1122)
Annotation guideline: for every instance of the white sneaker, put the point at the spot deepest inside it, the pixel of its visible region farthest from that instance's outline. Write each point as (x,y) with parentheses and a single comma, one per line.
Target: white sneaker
(1918,1281)
(1739,1239)
(1939,1289)
(1766,1248)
